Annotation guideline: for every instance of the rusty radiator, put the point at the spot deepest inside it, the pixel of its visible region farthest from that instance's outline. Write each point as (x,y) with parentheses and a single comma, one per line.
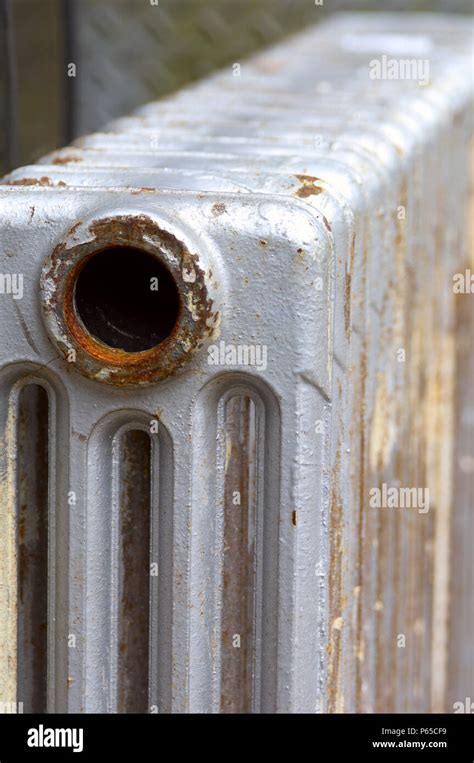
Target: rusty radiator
(230,387)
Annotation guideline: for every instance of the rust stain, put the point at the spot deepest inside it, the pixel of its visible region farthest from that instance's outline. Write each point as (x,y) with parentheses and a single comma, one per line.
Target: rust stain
(218,209)
(43,181)
(69,159)
(74,228)
(145,189)
(309,186)
(348,289)
(334,646)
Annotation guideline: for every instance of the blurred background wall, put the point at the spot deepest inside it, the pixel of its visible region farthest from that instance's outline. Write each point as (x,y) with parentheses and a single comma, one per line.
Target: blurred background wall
(128,52)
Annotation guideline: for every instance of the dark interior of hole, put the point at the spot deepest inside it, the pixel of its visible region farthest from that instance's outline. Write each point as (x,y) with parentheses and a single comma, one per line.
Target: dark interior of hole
(118,302)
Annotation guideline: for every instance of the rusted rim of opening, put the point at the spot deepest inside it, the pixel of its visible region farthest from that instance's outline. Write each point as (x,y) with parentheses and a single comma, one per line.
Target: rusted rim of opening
(196,320)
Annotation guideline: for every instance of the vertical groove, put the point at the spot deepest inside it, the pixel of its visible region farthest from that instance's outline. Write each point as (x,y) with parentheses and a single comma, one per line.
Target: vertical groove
(32,539)
(240,544)
(134,572)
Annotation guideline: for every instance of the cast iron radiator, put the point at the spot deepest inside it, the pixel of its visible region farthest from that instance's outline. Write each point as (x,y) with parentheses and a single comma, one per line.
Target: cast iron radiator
(229,380)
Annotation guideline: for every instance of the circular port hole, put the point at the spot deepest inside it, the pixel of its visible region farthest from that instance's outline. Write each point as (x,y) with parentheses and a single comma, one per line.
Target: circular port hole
(127,299)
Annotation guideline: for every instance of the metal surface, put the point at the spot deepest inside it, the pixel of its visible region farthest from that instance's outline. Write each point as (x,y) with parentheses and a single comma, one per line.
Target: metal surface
(324,212)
